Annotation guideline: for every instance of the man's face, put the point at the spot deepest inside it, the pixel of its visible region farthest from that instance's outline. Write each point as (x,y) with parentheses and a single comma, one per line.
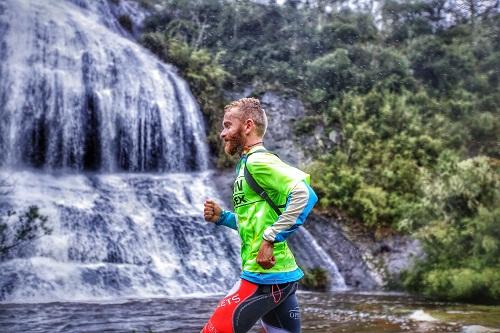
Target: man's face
(232,132)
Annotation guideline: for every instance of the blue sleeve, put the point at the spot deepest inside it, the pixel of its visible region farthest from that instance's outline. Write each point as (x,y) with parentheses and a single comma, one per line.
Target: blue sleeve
(227,219)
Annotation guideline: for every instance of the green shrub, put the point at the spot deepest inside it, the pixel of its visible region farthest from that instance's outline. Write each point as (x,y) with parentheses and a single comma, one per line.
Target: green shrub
(315,279)
(370,204)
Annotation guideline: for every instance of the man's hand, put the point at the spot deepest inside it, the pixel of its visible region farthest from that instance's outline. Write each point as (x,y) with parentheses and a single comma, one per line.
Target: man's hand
(265,257)
(212,211)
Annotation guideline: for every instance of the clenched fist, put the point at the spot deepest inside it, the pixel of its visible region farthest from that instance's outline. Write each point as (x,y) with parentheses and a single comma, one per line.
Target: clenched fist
(212,211)
(265,257)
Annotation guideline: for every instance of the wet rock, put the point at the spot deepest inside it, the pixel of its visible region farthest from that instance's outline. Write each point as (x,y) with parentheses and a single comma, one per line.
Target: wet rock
(346,255)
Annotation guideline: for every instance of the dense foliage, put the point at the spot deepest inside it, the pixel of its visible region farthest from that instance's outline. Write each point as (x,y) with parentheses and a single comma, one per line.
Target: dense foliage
(458,221)
(411,92)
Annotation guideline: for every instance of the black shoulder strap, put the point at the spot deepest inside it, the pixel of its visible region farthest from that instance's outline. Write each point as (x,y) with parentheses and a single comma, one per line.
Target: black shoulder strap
(256,187)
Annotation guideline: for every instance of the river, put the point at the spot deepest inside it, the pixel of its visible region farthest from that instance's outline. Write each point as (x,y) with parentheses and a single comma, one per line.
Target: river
(321,313)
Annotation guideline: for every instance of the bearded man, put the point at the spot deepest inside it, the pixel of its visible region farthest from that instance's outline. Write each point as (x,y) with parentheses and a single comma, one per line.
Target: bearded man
(271,199)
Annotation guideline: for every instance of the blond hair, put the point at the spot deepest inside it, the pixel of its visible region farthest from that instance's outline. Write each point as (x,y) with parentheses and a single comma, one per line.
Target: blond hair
(250,108)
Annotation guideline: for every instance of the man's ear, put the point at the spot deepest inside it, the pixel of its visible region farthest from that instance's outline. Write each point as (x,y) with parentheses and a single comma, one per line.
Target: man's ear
(249,126)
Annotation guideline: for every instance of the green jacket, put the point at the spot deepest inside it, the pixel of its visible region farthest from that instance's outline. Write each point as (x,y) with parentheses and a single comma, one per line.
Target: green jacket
(255,219)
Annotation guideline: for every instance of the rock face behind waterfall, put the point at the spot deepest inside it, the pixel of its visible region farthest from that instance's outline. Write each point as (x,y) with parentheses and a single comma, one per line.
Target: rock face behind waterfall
(76,93)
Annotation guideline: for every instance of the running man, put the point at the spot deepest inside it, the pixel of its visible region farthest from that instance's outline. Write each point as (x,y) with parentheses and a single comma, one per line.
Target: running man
(270,275)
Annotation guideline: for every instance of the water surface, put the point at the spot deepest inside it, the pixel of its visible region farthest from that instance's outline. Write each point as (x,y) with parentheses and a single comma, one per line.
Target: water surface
(321,313)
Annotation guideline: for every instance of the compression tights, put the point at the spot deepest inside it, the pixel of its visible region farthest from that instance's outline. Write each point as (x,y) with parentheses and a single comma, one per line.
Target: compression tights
(276,305)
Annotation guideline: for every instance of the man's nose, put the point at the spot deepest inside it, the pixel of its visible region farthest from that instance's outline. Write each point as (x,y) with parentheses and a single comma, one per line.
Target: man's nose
(222,134)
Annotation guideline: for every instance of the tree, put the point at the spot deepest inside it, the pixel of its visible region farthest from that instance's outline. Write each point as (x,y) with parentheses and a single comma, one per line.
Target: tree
(405,20)
(30,226)
(471,10)
(441,66)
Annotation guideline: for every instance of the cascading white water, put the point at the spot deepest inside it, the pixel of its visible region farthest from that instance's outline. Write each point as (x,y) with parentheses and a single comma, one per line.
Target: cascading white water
(313,255)
(117,235)
(77,94)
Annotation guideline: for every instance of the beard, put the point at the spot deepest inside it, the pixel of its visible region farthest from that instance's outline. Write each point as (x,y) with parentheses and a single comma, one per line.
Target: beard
(235,144)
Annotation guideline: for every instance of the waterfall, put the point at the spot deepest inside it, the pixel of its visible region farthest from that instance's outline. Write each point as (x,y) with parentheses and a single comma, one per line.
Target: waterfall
(310,255)
(76,93)
(117,235)
(110,144)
